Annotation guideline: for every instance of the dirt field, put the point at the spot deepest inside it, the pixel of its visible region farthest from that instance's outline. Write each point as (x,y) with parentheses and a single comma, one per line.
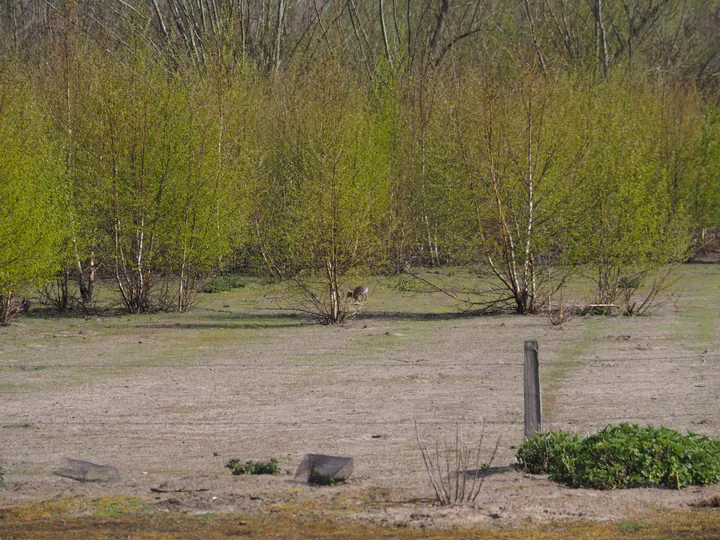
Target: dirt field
(169,399)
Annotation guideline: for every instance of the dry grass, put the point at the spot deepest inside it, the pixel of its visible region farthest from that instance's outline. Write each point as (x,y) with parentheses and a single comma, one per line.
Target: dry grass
(124,517)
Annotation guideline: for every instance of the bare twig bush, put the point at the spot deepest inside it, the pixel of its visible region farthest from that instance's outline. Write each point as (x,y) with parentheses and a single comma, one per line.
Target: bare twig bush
(325,305)
(558,311)
(57,294)
(456,471)
(561,314)
(658,293)
(178,293)
(491,301)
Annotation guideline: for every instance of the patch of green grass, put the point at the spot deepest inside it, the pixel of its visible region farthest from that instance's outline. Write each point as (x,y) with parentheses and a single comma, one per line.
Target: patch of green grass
(409,284)
(113,509)
(630,526)
(224,283)
(695,319)
(560,370)
(9,387)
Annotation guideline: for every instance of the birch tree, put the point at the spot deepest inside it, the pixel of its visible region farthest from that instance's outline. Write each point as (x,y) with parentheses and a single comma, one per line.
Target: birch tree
(516,152)
(333,181)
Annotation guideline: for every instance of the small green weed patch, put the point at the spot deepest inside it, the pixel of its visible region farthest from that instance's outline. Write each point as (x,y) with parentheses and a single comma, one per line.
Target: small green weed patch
(405,284)
(224,283)
(623,456)
(627,527)
(254,467)
(317,479)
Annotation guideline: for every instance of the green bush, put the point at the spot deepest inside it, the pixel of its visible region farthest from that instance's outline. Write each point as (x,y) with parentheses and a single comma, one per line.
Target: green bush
(223,284)
(623,456)
(548,451)
(408,285)
(254,467)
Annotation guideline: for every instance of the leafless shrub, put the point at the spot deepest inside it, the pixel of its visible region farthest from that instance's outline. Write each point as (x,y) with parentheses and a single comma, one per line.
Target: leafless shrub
(325,304)
(57,294)
(557,311)
(490,301)
(456,472)
(630,291)
(177,293)
(561,314)
(658,293)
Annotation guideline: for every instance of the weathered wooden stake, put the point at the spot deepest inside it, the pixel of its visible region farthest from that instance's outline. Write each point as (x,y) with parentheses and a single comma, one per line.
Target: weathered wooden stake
(533,409)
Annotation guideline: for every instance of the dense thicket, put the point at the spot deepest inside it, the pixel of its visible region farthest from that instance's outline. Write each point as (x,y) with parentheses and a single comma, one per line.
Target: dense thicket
(31,198)
(320,141)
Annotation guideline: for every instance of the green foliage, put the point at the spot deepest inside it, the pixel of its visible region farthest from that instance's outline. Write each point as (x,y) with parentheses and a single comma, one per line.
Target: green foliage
(338,175)
(320,209)
(623,456)
(408,285)
(166,161)
(162,174)
(704,190)
(548,451)
(506,162)
(253,467)
(224,283)
(32,194)
(317,479)
(631,215)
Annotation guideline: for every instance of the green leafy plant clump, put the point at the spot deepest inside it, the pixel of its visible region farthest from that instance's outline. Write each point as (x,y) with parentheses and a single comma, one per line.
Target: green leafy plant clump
(318,479)
(254,467)
(224,283)
(623,456)
(548,451)
(408,285)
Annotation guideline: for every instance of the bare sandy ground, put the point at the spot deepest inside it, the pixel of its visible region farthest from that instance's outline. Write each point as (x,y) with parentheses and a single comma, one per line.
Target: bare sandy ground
(168,400)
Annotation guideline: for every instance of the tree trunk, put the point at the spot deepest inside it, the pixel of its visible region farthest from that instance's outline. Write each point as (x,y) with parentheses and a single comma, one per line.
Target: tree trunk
(336,314)
(383,27)
(278,34)
(7,308)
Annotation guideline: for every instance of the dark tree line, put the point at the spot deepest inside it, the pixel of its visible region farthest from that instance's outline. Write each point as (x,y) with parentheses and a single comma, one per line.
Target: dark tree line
(680,38)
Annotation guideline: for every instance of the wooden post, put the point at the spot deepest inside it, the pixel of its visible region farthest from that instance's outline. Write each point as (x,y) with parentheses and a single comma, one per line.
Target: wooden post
(533,409)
